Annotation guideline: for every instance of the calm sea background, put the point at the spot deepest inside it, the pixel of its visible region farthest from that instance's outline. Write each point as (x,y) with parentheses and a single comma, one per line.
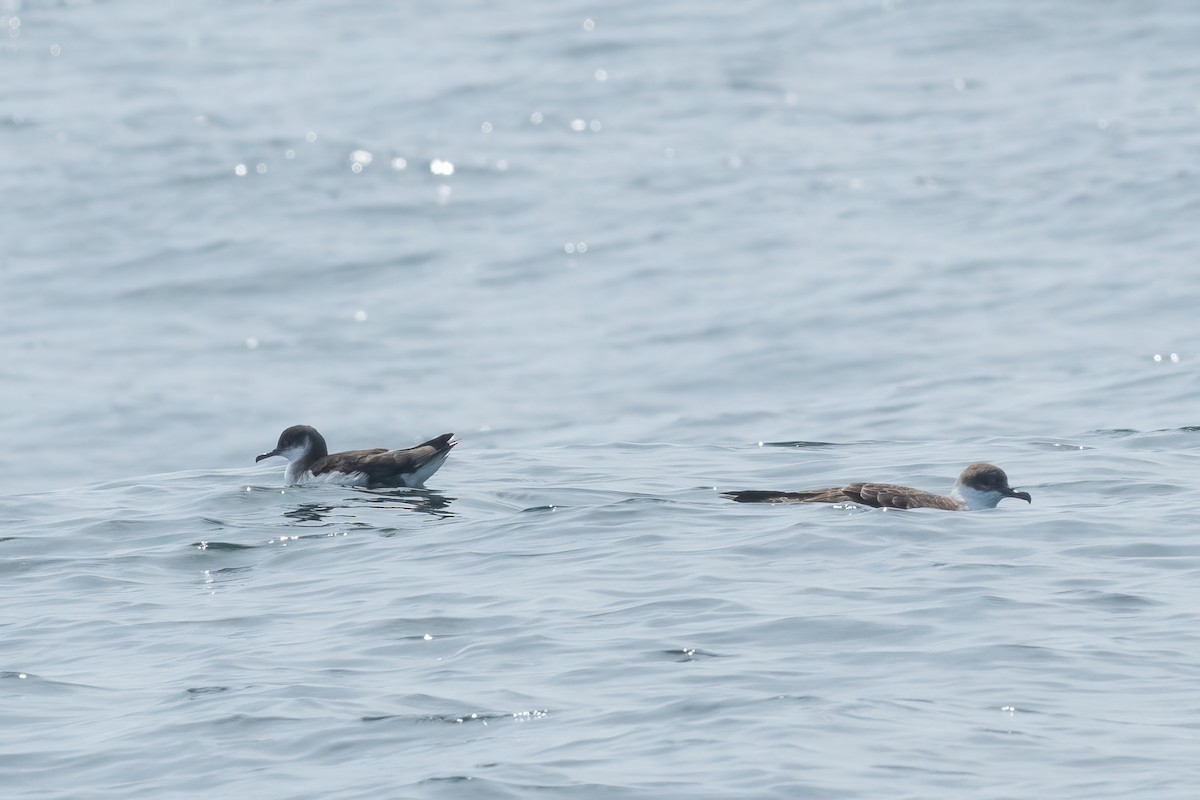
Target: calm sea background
(633,254)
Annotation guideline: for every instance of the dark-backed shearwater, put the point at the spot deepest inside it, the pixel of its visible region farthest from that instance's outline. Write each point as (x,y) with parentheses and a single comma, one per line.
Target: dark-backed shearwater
(309,460)
(979,486)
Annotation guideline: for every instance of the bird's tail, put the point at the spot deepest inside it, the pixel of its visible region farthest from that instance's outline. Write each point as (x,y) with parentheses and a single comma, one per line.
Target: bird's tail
(440,443)
(759,496)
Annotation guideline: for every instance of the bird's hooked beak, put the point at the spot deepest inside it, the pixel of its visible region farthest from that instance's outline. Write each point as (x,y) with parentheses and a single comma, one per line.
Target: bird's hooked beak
(275,452)
(1010,492)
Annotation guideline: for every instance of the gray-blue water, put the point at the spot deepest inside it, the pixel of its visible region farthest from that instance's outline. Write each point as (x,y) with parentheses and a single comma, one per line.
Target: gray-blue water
(633,254)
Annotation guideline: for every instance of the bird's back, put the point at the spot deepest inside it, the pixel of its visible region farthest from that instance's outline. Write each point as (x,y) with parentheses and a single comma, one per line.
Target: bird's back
(381,467)
(890,495)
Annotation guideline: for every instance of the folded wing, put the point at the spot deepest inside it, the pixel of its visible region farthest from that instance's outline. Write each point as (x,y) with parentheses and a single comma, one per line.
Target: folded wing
(876,495)
(889,495)
(383,467)
(815,496)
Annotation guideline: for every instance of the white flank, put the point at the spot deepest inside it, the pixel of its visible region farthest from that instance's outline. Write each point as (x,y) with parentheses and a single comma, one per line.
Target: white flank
(418,478)
(328,478)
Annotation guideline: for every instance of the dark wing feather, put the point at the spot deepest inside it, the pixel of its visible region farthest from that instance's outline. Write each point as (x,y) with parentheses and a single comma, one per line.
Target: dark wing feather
(889,495)
(386,467)
(349,461)
(816,496)
(876,495)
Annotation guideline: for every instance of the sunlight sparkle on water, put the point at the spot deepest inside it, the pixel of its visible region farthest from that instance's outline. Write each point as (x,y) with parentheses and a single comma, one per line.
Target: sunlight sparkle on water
(440,167)
(524,716)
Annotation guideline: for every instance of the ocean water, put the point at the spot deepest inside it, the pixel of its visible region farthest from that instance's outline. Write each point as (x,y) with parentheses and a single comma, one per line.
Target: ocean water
(634,255)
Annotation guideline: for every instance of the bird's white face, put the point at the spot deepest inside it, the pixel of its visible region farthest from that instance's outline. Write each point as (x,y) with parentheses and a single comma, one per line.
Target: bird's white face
(976,499)
(297,450)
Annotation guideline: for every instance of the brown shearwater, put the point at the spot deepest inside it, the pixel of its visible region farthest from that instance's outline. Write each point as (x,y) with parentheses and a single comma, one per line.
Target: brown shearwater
(979,486)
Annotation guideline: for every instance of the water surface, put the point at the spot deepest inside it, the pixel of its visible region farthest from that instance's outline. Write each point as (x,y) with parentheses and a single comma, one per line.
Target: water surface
(633,256)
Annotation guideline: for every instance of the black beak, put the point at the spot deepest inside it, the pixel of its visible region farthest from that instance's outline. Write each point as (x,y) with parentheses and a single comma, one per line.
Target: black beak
(275,452)
(1019,495)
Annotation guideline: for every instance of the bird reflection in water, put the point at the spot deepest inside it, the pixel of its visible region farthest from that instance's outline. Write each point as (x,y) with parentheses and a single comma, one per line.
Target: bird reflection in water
(309,512)
(424,501)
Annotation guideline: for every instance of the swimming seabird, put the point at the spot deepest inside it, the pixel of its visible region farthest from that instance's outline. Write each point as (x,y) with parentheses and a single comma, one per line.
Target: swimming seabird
(979,486)
(309,460)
